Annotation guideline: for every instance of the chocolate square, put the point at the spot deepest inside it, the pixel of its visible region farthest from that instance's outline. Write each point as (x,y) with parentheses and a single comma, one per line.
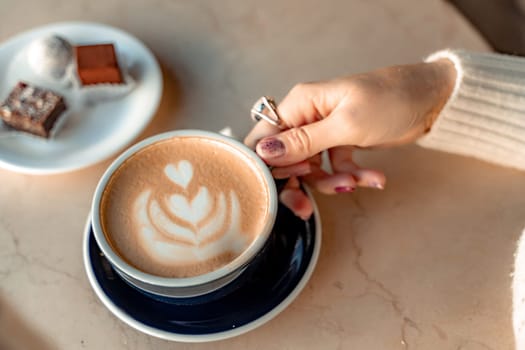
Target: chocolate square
(97,64)
(32,109)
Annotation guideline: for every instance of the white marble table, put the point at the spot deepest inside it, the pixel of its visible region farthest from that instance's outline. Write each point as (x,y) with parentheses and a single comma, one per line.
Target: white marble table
(423,265)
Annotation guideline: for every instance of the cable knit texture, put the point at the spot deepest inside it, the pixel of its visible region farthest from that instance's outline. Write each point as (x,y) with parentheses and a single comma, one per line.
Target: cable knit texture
(485,114)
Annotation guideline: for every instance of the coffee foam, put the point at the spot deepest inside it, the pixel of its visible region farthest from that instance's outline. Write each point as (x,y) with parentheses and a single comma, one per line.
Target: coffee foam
(183,207)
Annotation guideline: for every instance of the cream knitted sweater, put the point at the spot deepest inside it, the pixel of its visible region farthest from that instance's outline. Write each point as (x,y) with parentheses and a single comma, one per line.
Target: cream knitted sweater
(485,118)
(485,115)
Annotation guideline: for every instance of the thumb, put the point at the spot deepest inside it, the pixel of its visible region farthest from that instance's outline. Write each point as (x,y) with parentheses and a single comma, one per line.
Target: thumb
(300,143)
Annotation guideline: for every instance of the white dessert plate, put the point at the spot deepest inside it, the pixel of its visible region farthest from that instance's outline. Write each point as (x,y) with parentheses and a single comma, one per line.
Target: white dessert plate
(90,133)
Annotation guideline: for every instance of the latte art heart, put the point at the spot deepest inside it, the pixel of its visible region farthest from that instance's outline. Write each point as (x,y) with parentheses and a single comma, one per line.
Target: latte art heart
(205,226)
(180,174)
(184,206)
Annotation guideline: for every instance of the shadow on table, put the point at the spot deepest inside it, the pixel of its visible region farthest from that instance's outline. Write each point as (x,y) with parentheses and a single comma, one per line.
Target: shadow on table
(501,22)
(16,333)
(170,103)
(434,249)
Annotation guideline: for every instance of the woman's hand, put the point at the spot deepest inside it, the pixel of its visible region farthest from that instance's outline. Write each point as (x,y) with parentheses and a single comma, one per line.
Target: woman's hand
(386,107)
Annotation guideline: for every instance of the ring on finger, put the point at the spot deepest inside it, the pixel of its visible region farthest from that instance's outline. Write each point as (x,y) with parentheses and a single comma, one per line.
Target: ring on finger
(266,109)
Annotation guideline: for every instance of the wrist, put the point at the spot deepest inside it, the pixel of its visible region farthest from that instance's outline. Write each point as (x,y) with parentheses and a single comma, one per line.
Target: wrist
(444,77)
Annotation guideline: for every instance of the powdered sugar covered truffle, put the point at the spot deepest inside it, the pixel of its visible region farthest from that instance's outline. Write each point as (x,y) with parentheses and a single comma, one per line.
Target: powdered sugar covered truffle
(50,57)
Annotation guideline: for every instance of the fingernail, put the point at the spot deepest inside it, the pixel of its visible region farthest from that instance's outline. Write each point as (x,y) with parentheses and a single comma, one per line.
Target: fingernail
(377,185)
(271,148)
(344,189)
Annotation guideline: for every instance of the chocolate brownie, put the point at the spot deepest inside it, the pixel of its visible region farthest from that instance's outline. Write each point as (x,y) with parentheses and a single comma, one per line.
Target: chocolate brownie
(97,64)
(32,109)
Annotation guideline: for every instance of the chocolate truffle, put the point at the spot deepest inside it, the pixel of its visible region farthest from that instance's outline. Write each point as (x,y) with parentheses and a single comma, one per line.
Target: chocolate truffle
(32,109)
(50,56)
(97,64)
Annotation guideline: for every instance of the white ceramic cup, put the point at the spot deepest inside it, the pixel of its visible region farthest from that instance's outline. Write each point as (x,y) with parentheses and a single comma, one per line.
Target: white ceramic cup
(197,285)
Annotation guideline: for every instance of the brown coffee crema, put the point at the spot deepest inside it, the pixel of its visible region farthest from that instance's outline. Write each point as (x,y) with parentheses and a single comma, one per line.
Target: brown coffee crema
(184,206)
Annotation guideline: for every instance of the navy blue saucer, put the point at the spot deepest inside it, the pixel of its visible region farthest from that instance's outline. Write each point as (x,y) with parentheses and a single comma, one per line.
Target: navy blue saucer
(265,288)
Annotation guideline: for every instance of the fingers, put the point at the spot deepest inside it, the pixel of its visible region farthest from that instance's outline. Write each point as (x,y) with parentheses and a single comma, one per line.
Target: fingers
(304,104)
(308,102)
(342,162)
(346,174)
(370,178)
(299,169)
(259,131)
(346,182)
(332,184)
(296,109)
(346,178)
(297,144)
(296,200)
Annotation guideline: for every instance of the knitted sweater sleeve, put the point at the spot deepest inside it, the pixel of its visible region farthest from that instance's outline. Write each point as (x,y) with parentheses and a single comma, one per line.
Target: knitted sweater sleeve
(485,114)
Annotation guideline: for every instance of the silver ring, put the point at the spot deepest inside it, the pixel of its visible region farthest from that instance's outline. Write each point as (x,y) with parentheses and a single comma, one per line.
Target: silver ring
(260,111)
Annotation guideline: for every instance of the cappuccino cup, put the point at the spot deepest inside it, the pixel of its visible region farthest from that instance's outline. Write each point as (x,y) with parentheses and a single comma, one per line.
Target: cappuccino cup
(184,213)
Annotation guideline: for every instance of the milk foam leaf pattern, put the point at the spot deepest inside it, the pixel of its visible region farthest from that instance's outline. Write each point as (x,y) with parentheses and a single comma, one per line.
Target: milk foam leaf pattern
(164,223)
(209,228)
(213,221)
(191,210)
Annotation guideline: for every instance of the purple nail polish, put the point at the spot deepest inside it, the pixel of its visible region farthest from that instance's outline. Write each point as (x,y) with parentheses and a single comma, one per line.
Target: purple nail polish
(272,148)
(344,189)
